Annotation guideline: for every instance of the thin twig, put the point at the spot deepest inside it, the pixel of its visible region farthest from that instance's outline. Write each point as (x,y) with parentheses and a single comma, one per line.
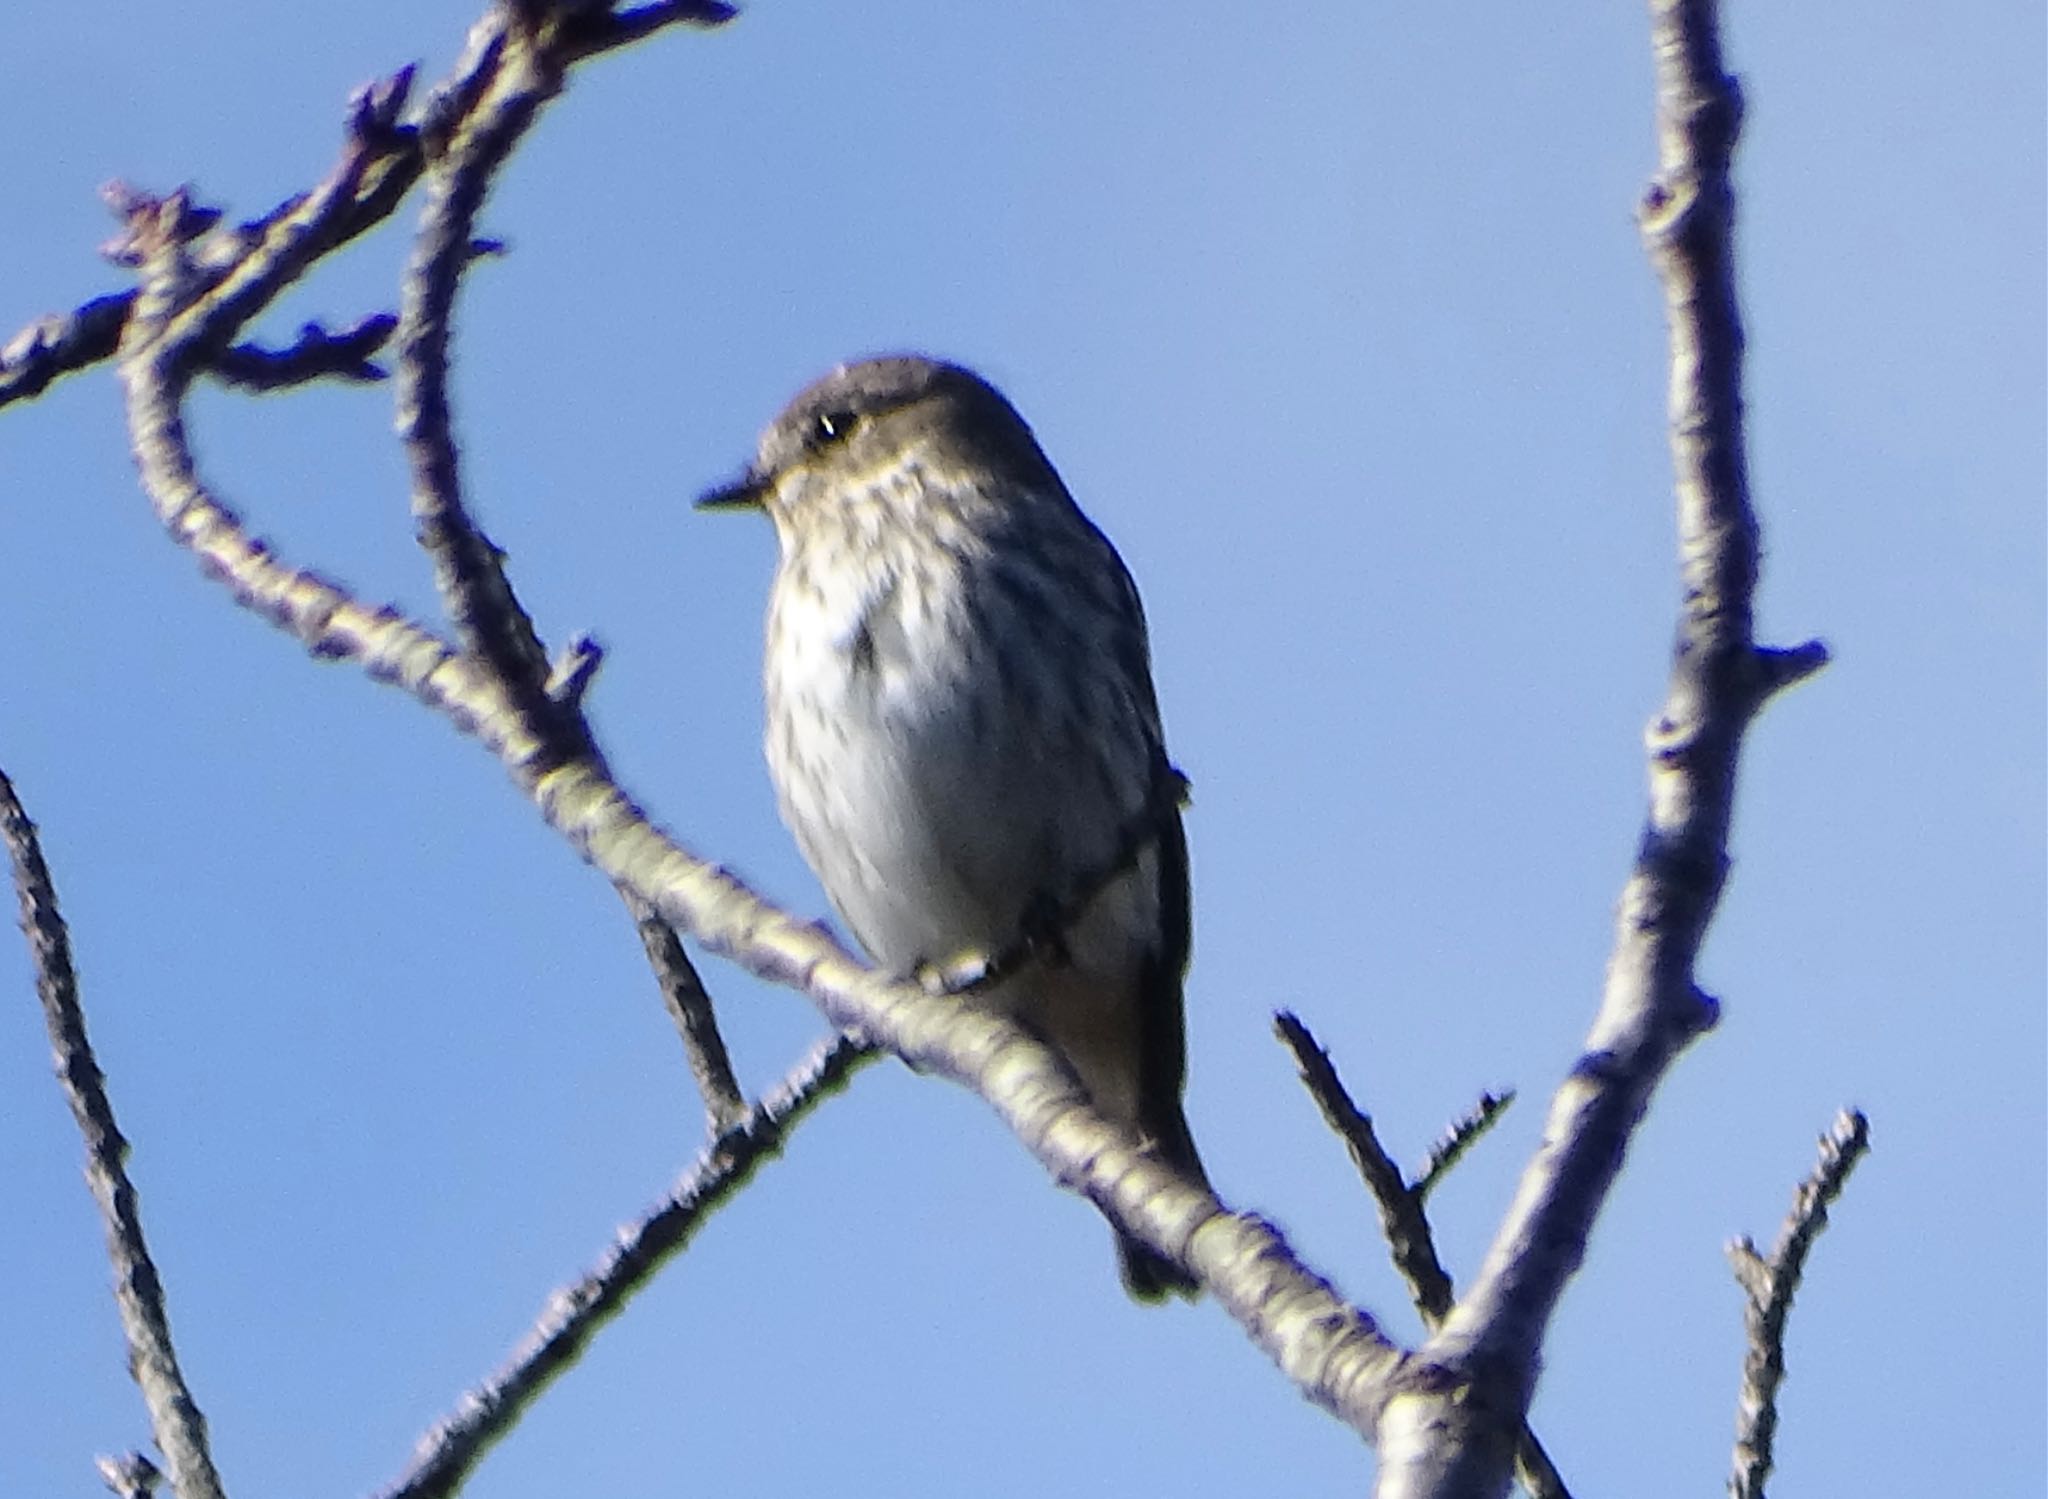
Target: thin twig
(689,1006)
(316,354)
(575,1314)
(1407,1231)
(575,670)
(174,1417)
(1466,1131)
(1768,1287)
(1403,1224)
(63,344)
(599,30)
(198,315)
(475,593)
(477,127)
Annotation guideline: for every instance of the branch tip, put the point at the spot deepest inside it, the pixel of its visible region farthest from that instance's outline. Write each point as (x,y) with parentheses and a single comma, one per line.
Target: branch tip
(1464,1132)
(316,354)
(1787,666)
(130,1476)
(152,224)
(575,670)
(1768,1285)
(375,109)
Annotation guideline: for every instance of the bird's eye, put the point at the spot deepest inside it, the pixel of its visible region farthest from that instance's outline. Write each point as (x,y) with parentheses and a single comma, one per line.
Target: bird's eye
(833,425)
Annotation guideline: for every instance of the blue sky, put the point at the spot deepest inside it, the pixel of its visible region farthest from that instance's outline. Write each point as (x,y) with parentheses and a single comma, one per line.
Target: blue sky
(1335,320)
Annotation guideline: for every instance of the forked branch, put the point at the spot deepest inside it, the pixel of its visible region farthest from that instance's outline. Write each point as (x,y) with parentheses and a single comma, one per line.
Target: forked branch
(1651,1006)
(1403,1222)
(1768,1285)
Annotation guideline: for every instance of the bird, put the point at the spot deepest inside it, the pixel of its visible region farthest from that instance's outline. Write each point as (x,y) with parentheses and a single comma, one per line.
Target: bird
(963,733)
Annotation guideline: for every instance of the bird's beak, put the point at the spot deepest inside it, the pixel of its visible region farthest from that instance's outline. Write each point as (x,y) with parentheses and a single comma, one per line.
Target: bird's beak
(747,492)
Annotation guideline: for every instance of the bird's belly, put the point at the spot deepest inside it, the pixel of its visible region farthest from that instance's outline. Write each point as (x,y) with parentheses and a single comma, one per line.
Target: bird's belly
(905,805)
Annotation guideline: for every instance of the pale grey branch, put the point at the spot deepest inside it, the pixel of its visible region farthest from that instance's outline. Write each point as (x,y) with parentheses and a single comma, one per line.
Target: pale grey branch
(1486,1356)
(130,1476)
(476,129)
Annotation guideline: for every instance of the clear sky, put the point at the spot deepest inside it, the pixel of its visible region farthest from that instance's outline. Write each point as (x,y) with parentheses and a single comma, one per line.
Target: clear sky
(1334,318)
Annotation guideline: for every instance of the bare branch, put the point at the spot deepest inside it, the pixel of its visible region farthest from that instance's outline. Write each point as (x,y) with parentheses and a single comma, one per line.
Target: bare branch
(604,31)
(208,290)
(1651,1007)
(174,1417)
(474,134)
(131,1476)
(55,346)
(1402,1221)
(61,344)
(1407,1232)
(575,1314)
(1465,1132)
(1768,1287)
(315,355)
(477,122)
(689,1006)
(573,671)
(389,161)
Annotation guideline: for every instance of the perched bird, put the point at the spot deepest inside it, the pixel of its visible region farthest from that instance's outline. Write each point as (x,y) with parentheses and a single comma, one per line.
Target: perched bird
(962,729)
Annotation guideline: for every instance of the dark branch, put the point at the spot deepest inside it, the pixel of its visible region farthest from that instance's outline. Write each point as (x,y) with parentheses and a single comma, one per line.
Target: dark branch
(1407,1231)
(174,1416)
(473,137)
(58,345)
(604,31)
(689,1006)
(315,355)
(1403,1223)
(392,160)
(1768,1287)
(1465,1132)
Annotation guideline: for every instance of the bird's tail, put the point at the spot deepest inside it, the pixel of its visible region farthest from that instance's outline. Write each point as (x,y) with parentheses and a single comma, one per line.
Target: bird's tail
(1148,1275)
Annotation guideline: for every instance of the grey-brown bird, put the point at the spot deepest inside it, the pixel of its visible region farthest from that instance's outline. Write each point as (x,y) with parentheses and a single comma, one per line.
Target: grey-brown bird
(962,729)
